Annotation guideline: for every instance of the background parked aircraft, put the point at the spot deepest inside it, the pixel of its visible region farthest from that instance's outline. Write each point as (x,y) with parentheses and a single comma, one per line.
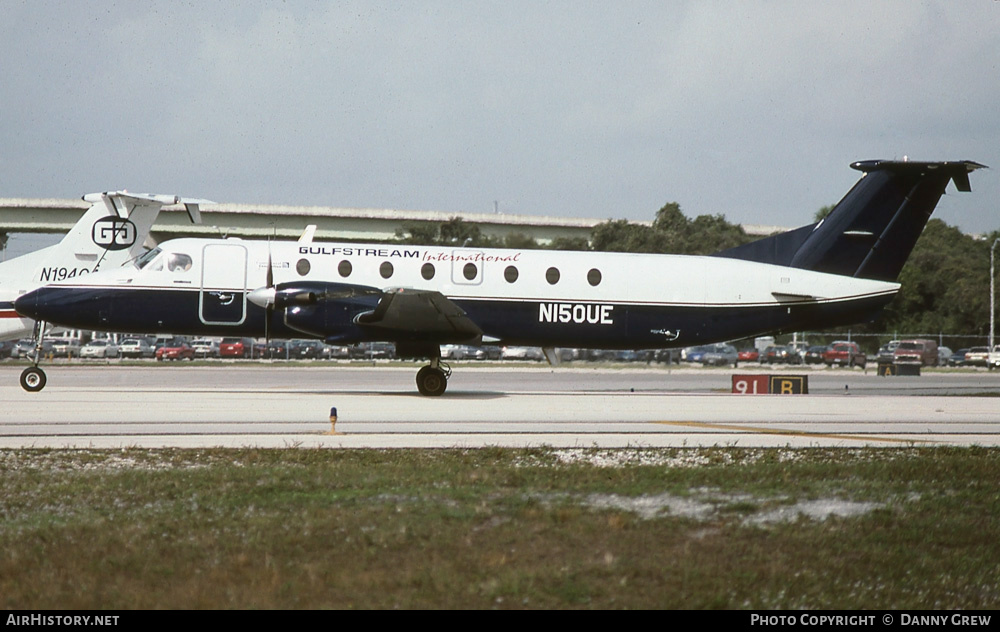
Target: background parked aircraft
(112,231)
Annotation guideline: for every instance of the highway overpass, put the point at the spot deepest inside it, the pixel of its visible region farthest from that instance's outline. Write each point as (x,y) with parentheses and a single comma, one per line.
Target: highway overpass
(260,221)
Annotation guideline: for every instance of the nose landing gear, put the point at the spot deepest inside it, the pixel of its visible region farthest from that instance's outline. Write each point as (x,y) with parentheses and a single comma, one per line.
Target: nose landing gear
(33,378)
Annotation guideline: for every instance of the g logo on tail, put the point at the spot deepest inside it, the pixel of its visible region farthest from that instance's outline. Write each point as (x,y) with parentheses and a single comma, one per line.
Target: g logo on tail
(112,233)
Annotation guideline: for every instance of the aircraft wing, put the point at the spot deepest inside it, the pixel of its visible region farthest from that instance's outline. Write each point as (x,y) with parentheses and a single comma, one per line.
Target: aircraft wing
(342,311)
(421,314)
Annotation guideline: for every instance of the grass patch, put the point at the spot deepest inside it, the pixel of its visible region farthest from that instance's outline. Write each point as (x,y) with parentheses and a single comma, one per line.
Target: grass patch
(500,528)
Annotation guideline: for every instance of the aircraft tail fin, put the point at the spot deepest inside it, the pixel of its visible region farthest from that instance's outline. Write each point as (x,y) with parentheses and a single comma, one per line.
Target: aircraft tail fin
(111,232)
(872,231)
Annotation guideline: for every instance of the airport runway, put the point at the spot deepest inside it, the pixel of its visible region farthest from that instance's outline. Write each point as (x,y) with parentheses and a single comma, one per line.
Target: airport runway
(277,405)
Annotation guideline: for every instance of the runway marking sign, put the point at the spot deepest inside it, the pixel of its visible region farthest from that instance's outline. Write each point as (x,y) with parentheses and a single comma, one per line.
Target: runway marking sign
(771,384)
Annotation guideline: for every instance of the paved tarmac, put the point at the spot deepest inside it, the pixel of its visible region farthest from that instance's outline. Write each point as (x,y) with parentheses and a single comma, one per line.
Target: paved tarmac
(279,405)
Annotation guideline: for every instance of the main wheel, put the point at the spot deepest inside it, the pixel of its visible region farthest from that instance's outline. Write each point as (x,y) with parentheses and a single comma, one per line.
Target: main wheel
(431,381)
(33,379)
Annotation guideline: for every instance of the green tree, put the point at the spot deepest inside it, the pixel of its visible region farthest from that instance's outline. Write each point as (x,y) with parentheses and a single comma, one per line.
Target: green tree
(823,212)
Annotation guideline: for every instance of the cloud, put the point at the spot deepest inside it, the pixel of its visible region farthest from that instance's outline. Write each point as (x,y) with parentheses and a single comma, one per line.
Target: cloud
(753,110)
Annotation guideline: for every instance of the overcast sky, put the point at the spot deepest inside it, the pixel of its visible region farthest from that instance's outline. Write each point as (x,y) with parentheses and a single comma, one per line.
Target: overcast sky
(753,110)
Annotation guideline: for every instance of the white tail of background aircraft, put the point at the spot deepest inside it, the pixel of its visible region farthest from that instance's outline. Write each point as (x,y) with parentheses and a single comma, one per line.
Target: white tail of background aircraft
(110,233)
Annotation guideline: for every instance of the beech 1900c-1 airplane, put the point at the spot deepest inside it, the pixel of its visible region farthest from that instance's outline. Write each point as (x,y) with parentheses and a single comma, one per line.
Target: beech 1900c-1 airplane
(111,232)
(836,272)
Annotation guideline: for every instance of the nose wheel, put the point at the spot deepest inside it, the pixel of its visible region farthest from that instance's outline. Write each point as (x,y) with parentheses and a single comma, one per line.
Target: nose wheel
(432,380)
(33,379)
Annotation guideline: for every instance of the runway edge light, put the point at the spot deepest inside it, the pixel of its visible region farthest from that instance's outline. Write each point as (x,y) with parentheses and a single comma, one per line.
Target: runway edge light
(333,421)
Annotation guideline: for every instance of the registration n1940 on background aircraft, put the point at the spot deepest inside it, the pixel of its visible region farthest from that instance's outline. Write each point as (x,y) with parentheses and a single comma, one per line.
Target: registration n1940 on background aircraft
(838,271)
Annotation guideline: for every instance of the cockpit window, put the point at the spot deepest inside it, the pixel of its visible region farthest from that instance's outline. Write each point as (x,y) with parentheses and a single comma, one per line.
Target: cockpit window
(178,262)
(146,257)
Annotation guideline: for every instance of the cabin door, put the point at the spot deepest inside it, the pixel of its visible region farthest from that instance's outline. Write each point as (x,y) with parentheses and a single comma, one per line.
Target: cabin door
(223,284)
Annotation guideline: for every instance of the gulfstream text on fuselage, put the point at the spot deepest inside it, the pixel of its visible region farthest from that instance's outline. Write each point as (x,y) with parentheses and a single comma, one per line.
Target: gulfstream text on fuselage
(426,255)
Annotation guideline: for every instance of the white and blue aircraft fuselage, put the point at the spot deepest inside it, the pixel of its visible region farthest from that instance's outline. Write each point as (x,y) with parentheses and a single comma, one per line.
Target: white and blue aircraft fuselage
(839,271)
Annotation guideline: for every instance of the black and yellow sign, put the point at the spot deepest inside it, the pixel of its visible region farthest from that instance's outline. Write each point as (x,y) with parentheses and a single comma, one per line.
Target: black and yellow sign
(771,384)
(788,385)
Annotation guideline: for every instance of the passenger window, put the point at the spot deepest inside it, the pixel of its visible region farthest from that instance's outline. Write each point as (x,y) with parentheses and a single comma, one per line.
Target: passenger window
(303,267)
(427,271)
(470,271)
(385,269)
(552,276)
(594,277)
(510,273)
(345,268)
(178,262)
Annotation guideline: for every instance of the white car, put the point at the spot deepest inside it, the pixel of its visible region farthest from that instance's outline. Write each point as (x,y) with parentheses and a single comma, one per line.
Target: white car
(65,347)
(99,348)
(135,348)
(205,348)
(522,353)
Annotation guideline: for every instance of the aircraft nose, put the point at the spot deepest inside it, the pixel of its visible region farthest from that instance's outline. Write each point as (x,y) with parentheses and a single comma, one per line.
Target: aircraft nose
(27,304)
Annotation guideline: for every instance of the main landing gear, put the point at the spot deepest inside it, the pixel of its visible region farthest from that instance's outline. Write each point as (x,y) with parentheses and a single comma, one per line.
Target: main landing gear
(33,378)
(432,380)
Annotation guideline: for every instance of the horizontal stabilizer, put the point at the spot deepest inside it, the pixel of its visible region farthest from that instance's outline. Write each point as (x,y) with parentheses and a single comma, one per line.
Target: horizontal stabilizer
(121,203)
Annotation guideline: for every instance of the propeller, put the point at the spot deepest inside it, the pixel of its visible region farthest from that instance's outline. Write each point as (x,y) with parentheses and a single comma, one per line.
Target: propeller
(269,307)
(264,297)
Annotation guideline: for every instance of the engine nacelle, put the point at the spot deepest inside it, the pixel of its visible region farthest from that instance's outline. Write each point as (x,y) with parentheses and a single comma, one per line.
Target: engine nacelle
(326,310)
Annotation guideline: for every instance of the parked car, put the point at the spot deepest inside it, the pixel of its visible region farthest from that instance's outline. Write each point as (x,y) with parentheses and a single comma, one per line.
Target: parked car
(749,354)
(814,354)
(781,354)
(885,351)
(522,353)
(721,355)
(235,347)
(493,352)
(844,354)
(695,354)
(922,352)
(993,359)
(65,347)
(99,348)
(277,350)
(338,352)
(799,349)
(381,350)
(977,356)
(135,348)
(205,348)
(306,349)
(457,352)
(25,348)
(7,348)
(175,349)
(957,358)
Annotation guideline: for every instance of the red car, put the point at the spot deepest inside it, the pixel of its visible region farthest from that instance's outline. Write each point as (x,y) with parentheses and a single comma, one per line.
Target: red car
(176,349)
(844,354)
(749,355)
(235,348)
